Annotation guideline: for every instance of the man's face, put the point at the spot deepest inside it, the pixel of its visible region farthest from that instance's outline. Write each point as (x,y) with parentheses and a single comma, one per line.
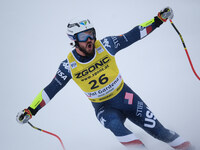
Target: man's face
(86,41)
(87,47)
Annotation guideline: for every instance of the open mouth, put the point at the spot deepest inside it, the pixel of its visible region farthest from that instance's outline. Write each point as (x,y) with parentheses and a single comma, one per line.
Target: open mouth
(89,45)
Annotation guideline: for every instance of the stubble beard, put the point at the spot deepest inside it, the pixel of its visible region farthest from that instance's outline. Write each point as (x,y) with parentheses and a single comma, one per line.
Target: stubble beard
(83,49)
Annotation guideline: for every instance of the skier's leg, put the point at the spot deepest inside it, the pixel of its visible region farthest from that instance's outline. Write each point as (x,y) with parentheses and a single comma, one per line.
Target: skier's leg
(114,120)
(144,118)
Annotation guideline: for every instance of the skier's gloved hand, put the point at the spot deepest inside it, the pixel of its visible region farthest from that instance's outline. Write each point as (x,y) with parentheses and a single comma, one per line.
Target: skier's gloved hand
(23,116)
(166,13)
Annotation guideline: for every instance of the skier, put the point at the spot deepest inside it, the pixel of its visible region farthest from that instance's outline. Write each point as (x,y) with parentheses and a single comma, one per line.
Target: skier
(92,66)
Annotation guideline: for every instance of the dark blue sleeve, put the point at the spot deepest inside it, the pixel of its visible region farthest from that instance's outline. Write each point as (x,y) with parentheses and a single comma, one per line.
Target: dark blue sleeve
(61,78)
(116,43)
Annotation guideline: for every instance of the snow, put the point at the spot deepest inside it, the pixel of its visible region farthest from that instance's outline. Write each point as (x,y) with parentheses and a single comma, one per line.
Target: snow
(34,42)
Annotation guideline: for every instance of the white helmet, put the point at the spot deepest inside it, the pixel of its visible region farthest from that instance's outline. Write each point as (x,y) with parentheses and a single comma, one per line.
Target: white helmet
(78,25)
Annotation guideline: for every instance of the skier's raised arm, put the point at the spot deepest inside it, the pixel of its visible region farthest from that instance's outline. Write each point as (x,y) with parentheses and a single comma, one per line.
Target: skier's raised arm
(61,78)
(117,43)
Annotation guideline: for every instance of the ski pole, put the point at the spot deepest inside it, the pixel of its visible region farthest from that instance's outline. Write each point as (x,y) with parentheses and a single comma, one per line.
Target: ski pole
(188,56)
(48,133)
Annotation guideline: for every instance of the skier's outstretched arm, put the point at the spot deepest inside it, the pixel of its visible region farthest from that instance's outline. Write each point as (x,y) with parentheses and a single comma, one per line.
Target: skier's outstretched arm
(61,78)
(117,43)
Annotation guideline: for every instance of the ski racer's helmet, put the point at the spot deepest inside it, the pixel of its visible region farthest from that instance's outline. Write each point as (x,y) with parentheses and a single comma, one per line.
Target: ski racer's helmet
(78,25)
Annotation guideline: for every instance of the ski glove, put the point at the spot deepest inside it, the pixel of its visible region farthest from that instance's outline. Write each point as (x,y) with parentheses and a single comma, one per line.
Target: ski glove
(166,13)
(23,116)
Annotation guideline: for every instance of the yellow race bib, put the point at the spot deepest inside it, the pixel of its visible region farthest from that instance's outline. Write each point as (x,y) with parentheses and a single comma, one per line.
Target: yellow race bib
(99,78)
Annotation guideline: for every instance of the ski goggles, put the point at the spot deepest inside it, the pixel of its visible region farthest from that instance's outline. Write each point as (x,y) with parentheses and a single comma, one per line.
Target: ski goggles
(83,36)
